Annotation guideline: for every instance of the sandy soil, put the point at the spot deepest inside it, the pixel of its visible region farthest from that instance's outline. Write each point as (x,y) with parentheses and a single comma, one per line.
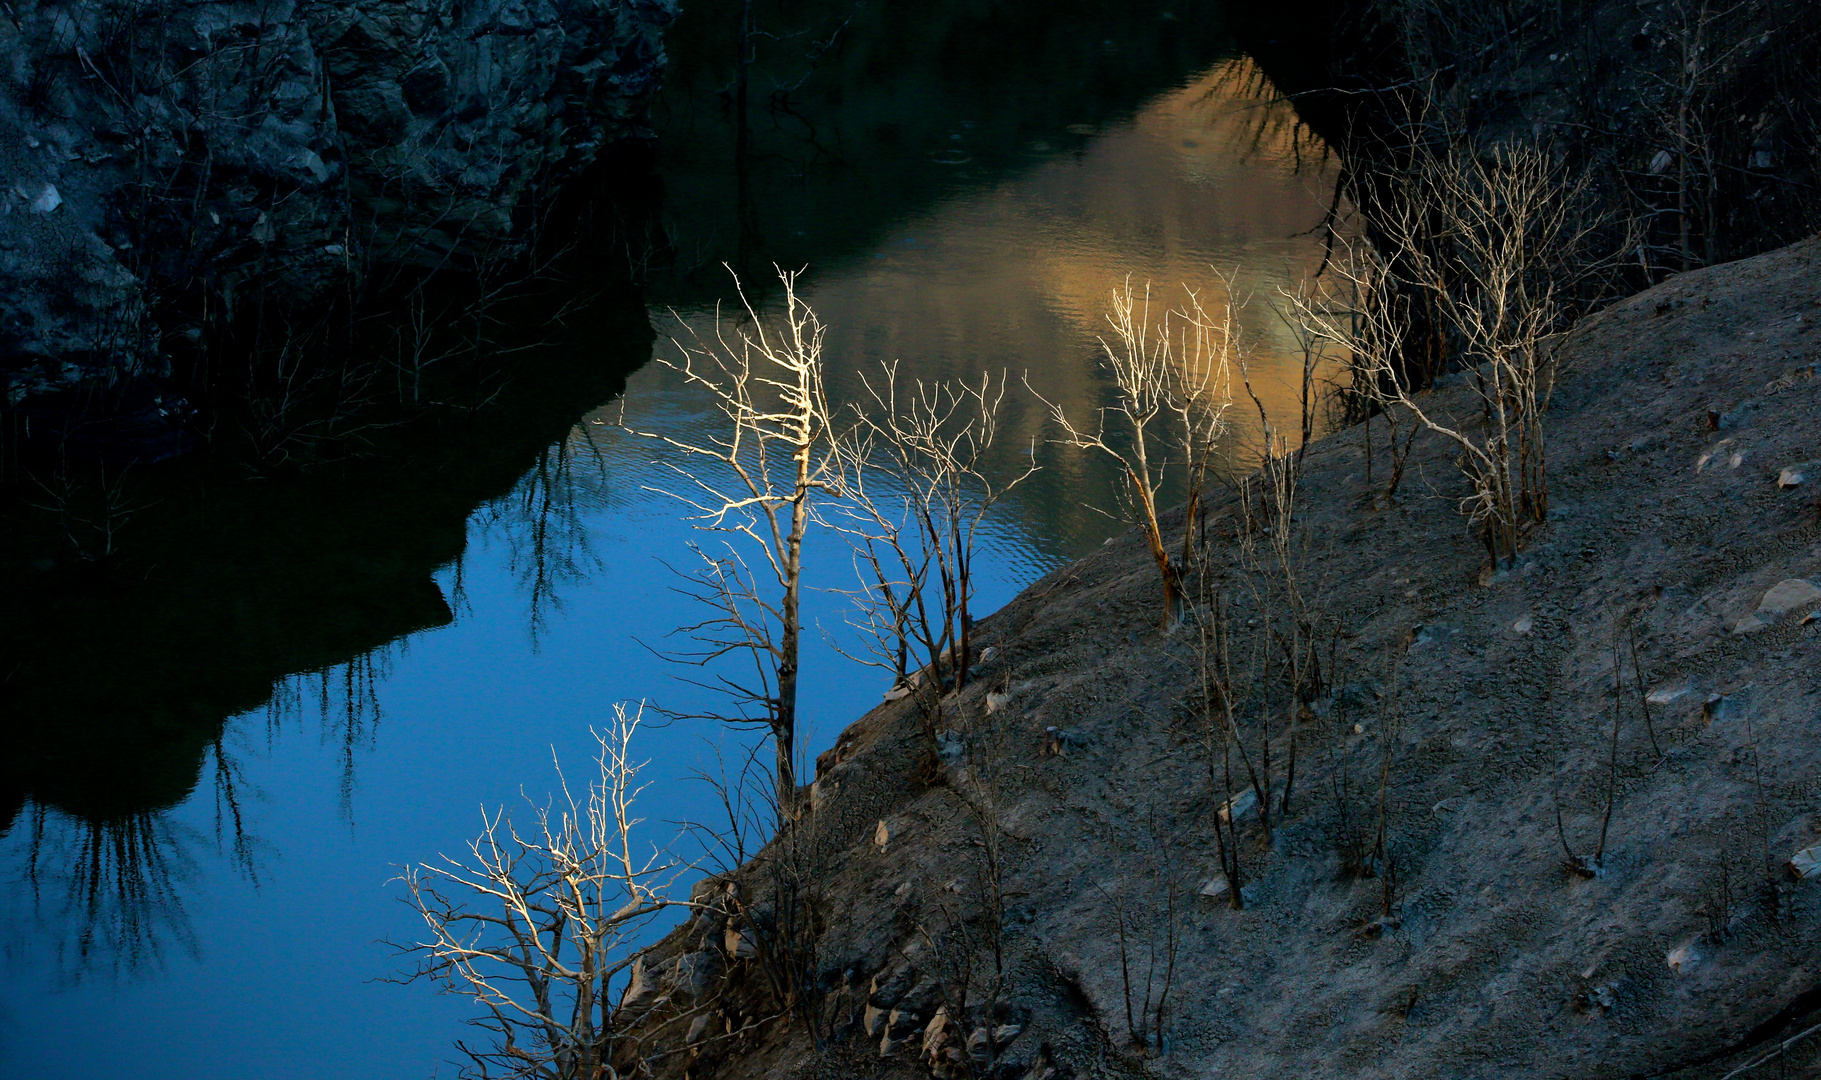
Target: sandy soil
(1491,699)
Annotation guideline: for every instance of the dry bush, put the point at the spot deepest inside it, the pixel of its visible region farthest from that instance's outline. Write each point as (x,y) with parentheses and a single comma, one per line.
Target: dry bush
(1172,380)
(1491,244)
(915,496)
(1260,677)
(537,925)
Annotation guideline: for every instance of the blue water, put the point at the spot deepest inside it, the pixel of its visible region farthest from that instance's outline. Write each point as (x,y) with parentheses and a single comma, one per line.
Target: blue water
(262,954)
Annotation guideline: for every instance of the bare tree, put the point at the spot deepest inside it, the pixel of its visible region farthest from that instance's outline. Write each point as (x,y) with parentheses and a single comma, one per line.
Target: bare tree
(535,926)
(1213,703)
(917,493)
(90,518)
(763,472)
(1702,56)
(1492,245)
(770,902)
(1171,383)
(1258,671)
(1143,923)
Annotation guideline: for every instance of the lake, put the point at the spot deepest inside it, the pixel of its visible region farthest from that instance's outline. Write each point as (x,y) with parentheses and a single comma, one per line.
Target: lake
(198,878)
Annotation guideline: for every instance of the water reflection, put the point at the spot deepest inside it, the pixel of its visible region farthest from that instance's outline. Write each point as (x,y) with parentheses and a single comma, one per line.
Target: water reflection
(109,893)
(106,894)
(544,526)
(346,702)
(515,555)
(1213,185)
(858,115)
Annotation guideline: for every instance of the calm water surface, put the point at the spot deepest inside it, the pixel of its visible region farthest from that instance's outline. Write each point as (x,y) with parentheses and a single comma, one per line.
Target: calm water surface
(239,931)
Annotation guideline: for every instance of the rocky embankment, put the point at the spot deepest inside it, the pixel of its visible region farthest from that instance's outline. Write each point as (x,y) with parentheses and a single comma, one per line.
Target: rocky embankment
(167,167)
(1644,685)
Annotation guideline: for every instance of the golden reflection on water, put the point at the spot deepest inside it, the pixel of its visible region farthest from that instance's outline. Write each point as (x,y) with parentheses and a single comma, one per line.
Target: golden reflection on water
(1210,182)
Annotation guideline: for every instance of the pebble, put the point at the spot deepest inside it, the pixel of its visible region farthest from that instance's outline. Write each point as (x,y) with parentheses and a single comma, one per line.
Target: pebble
(740,944)
(1806,864)
(1784,596)
(1789,594)
(1239,806)
(641,988)
(1725,451)
(1726,706)
(936,1033)
(40,198)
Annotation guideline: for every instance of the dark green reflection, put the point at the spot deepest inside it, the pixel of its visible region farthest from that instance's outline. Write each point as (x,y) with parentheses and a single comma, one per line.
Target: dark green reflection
(861,113)
(121,670)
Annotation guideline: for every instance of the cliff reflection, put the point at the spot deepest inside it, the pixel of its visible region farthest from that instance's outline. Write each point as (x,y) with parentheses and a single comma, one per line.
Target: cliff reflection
(1213,184)
(106,894)
(849,117)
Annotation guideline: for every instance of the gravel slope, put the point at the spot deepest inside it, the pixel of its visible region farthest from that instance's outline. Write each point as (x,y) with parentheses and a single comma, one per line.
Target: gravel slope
(1495,959)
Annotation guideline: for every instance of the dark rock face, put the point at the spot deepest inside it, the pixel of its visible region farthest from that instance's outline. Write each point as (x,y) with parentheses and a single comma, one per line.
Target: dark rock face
(164,165)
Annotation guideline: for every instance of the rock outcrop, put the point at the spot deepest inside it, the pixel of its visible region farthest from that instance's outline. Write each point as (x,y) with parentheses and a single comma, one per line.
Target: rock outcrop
(164,165)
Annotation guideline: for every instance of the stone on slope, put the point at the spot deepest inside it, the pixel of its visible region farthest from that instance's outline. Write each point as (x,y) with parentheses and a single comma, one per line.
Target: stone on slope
(1789,594)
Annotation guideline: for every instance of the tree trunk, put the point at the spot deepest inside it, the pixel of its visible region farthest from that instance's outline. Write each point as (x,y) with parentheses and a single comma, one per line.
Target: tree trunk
(784,714)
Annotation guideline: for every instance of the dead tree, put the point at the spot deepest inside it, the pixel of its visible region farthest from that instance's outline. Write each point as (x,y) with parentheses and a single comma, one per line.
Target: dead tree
(537,926)
(917,492)
(1703,53)
(1491,245)
(755,482)
(1171,383)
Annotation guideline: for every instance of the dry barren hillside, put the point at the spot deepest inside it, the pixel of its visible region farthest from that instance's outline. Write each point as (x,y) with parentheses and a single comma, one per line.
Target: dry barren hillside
(1473,707)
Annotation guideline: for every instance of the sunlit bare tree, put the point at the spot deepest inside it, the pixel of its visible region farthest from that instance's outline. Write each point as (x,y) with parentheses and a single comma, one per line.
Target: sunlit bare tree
(536,924)
(917,491)
(755,481)
(1492,244)
(1172,387)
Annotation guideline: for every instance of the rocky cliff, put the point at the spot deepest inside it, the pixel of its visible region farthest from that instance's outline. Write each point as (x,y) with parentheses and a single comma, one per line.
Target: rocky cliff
(164,167)
(1697,126)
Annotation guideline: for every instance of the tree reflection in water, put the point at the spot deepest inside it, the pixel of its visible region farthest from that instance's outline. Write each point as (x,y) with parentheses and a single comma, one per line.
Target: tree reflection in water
(542,522)
(346,697)
(107,893)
